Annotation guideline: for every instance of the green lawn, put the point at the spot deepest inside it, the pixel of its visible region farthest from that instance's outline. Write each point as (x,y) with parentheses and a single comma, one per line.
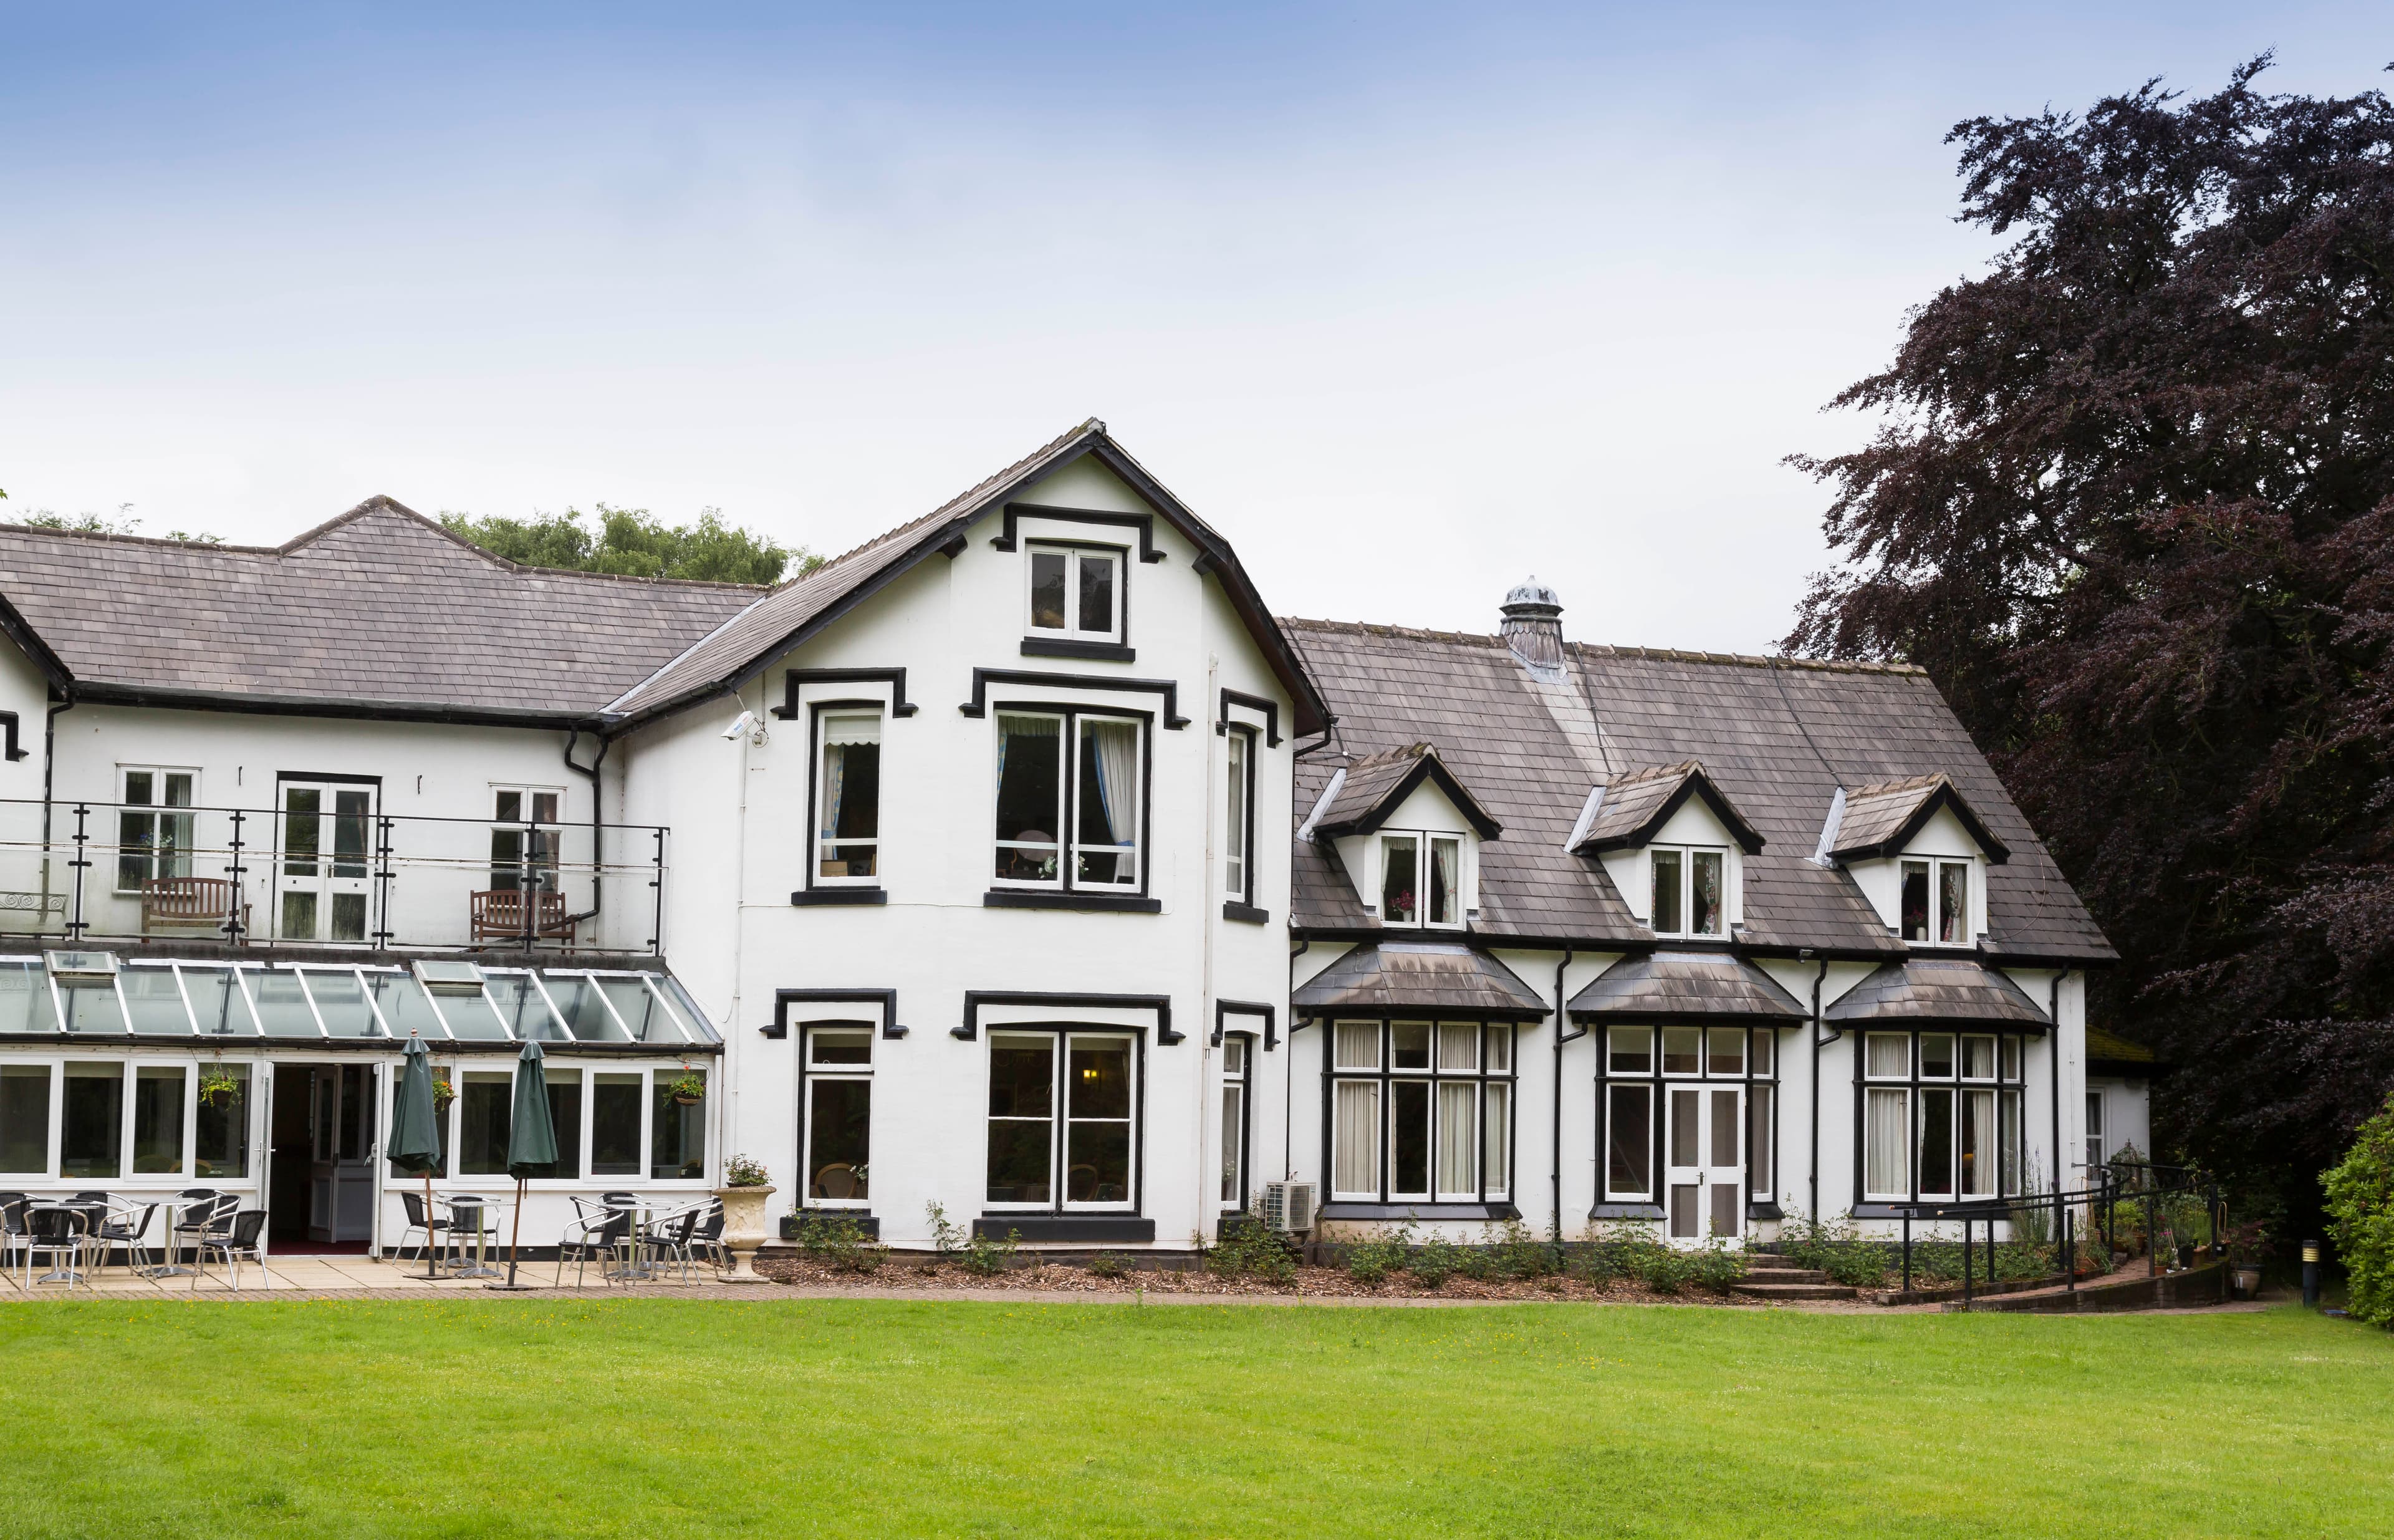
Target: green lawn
(646,1418)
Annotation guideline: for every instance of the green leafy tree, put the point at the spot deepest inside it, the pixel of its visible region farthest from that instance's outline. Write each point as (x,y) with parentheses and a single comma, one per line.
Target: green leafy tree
(634,542)
(2361,1217)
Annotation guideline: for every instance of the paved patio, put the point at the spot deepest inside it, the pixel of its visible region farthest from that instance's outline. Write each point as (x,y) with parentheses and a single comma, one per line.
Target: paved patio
(351,1277)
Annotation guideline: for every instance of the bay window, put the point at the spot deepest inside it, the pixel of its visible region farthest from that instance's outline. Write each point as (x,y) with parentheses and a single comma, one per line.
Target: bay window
(1421,880)
(1941,1114)
(1690,1123)
(1936,902)
(1421,1112)
(1070,783)
(847,798)
(1076,592)
(1062,1120)
(1689,890)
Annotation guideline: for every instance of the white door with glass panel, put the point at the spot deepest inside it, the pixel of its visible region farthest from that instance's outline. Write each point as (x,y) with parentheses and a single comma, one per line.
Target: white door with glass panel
(321,871)
(341,1141)
(1705,1171)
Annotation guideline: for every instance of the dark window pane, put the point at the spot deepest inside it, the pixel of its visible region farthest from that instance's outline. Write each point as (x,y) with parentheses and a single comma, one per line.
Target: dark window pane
(350,834)
(1409,1045)
(1018,1161)
(1758,1143)
(25,1118)
(93,1126)
(300,806)
(1097,593)
(1408,1136)
(1399,883)
(838,1138)
(1705,911)
(1030,789)
(1096,1163)
(1048,589)
(1629,1141)
(1684,1131)
(221,1127)
(1915,900)
(355,1117)
(1668,881)
(1022,1077)
(615,1123)
(1937,1141)
(565,1123)
(860,791)
(676,1134)
(1100,1077)
(484,1110)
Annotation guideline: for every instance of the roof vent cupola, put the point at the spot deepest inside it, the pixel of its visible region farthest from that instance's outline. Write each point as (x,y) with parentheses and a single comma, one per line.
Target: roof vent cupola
(1534,629)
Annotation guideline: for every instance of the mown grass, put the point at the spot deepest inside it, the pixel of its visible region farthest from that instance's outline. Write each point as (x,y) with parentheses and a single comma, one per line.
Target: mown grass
(648,1417)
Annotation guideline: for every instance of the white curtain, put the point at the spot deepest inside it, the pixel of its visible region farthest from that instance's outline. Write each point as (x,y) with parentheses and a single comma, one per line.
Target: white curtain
(1498,1138)
(1458,1046)
(834,776)
(1444,856)
(1977,1152)
(1887,1137)
(1117,756)
(1889,1056)
(1359,1045)
(1355,1148)
(1456,1136)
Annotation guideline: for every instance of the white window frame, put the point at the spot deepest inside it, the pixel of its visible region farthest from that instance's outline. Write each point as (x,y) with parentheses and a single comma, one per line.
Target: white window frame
(1238,815)
(1059,1120)
(1495,1068)
(2095,1128)
(1075,555)
(1422,858)
(547,871)
(656,1071)
(1067,848)
(155,811)
(814,1069)
(823,843)
(2001,1138)
(1933,928)
(1687,894)
(1237,1089)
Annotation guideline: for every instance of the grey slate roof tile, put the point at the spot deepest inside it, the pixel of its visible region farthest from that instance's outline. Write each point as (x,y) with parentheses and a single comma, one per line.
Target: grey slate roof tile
(1418,977)
(1936,990)
(1661,986)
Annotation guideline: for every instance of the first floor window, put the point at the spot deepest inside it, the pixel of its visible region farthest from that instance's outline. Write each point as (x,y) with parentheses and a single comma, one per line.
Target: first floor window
(1080,774)
(151,840)
(839,1114)
(1235,832)
(847,797)
(523,838)
(1234,1121)
(1074,592)
(1421,1111)
(1060,1120)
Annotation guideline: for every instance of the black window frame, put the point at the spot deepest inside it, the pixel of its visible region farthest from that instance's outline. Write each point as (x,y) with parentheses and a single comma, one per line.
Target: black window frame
(1388,1073)
(1653,1205)
(1004,890)
(1913,1083)
(1058,1153)
(1249,746)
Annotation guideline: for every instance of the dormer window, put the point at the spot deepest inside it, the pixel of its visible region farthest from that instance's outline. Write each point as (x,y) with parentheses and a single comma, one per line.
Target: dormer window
(1937,902)
(1689,889)
(1076,593)
(1421,880)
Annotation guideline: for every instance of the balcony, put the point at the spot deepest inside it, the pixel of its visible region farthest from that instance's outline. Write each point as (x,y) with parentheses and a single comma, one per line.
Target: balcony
(333,874)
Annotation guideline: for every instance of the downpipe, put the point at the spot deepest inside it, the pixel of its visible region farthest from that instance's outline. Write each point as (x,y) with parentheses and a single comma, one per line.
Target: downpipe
(1814,1179)
(598,850)
(1554,1152)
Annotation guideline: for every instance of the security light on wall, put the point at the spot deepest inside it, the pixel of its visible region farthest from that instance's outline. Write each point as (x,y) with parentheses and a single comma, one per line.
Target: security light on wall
(747,724)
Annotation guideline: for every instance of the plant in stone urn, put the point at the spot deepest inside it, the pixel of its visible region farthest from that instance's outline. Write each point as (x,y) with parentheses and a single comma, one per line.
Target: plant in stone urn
(747,1185)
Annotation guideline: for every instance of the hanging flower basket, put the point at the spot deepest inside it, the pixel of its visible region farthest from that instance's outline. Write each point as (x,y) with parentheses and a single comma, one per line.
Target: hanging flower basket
(443,1093)
(687,1089)
(219,1089)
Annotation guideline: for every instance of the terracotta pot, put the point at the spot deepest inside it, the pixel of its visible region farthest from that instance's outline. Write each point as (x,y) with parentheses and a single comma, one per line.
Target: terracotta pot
(744,1228)
(2248,1282)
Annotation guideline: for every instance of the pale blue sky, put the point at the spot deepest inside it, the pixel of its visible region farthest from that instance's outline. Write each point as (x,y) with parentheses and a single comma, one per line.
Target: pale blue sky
(1410,301)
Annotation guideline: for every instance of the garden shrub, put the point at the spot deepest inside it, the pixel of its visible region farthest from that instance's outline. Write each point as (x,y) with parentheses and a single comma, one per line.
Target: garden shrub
(1666,1269)
(1370,1262)
(1105,1264)
(1837,1249)
(1716,1267)
(1434,1261)
(839,1241)
(1247,1248)
(2361,1217)
(1515,1252)
(984,1258)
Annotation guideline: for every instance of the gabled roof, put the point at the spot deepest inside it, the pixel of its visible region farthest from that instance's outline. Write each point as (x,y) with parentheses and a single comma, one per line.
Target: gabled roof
(1881,819)
(1686,987)
(379,612)
(742,646)
(1375,785)
(1635,807)
(1953,991)
(1778,736)
(1396,977)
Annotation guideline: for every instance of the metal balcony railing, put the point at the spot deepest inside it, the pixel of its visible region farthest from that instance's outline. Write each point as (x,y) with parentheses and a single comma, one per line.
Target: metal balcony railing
(336,875)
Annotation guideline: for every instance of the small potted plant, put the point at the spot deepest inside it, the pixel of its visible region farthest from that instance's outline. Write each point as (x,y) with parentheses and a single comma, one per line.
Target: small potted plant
(687,1089)
(2248,1248)
(217,1088)
(747,1185)
(444,1091)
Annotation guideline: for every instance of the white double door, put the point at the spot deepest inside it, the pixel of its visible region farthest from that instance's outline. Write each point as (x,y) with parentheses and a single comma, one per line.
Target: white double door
(1705,1176)
(322,875)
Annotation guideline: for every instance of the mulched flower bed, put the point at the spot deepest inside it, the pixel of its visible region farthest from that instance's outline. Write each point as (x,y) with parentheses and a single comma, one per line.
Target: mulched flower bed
(938,1277)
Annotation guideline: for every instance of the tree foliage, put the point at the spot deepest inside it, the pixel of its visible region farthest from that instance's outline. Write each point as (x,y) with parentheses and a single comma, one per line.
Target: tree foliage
(633,543)
(2130,500)
(2361,1210)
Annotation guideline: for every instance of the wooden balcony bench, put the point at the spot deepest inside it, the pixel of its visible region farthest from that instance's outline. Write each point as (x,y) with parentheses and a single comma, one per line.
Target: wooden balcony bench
(189,904)
(499,915)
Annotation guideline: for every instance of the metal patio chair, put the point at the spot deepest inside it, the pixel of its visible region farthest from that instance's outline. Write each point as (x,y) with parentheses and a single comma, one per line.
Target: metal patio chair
(58,1229)
(241,1235)
(127,1225)
(427,1227)
(191,1225)
(671,1236)
(592,1235)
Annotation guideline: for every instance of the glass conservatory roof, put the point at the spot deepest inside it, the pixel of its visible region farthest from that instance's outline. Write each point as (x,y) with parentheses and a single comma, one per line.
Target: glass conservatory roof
(295,1002)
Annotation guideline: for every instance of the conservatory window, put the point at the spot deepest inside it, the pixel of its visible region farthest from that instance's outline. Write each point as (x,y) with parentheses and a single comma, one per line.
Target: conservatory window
(1689,890)
(677,1133)
(151,844)
(847,799)
(1936,902)
(91,1129)
(25,1119)
(158,1119)
(1076,592)
(221,1127)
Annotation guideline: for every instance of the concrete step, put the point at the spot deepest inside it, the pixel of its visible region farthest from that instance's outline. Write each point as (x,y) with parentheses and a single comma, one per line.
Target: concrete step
(1794,1291)
(1783,1272)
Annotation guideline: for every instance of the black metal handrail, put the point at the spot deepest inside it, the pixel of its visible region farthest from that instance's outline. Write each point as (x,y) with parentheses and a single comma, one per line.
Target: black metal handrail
(2120,1180)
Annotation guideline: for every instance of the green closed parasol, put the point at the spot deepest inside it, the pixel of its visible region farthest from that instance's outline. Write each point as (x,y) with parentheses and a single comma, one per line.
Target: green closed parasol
(532,1142)
(415,1131)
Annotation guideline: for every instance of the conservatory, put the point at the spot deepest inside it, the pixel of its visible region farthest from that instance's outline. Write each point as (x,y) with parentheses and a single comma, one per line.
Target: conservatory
(150,1077)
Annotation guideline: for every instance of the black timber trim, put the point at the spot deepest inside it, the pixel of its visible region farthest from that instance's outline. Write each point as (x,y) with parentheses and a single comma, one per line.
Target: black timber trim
(1093,651)
(1943,794)
(1764,1208)
(1248,1007)
(784,998)
(1245,914)
(9,721)
(894,678)
(1143,523)
(1253,703)
(976,998)
(1128,1229)
(1498,1210)
(21,631)
(1695,782)
(984,677)
(1626,1211)
(1696,1018)
(867,1223)
(805,897)
(1427,767)
(1070,898)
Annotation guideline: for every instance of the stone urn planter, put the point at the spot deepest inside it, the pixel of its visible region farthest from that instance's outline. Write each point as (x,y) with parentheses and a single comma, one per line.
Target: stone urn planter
(743,1229)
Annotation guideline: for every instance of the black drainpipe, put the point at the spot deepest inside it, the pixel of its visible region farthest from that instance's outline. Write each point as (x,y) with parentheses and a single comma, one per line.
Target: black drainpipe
(49,774)
(598,851)
(1816,978)
(1556,1165)
(1288,1077)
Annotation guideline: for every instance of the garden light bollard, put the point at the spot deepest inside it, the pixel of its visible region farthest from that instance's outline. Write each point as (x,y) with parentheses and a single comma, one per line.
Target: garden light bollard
(2311,1274)
(743,1229)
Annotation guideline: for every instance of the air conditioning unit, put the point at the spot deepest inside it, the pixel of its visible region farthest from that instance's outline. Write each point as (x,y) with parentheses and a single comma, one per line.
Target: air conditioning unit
(1288,1206)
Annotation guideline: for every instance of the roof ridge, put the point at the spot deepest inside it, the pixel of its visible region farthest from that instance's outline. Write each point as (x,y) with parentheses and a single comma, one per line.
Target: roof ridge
(111,538)
(382,503)
(1904,783)
(1660,654)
